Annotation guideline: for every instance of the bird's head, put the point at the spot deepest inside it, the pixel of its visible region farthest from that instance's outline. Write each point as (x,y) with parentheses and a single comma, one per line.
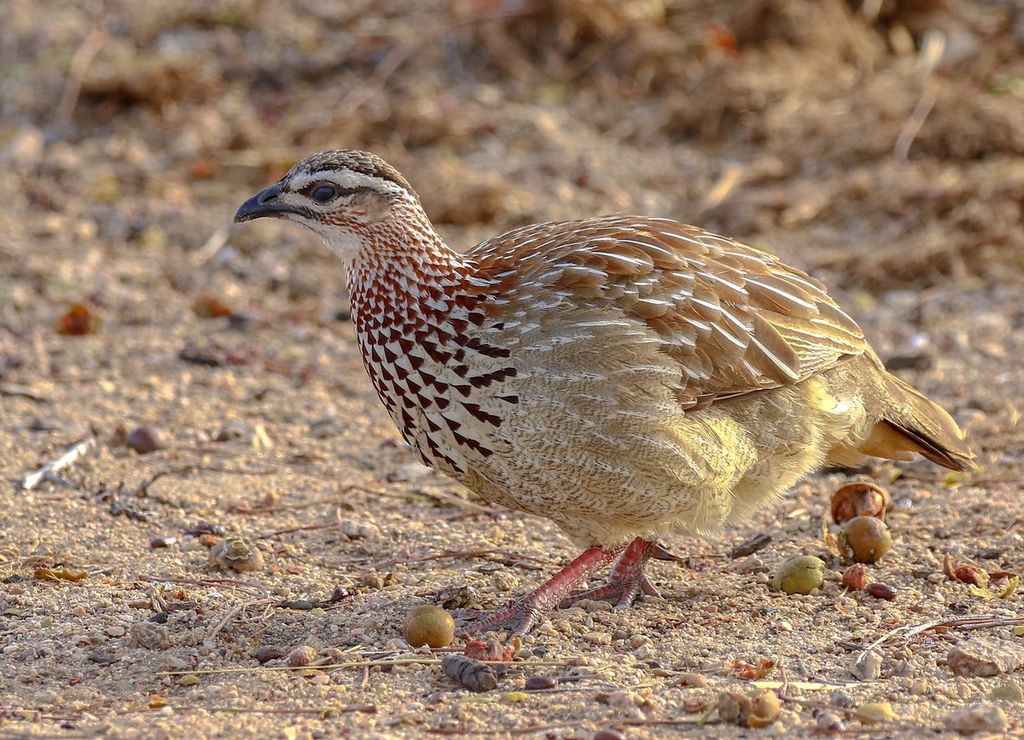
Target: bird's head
(340,194)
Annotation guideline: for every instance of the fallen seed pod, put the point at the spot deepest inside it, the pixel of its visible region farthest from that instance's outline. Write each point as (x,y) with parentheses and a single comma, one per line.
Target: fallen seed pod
(539,683)
(882,591)
(765,708)
(972,574)
(860,499)
(238,554)
(491,648)
(303,655)
(865,539)
(469,672)
(855,578)
(429,625)
(800,575)
(734,707)
(145,440)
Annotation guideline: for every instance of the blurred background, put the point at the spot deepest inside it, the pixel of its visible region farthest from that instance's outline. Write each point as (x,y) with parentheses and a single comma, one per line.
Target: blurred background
(880,140)
(877,143)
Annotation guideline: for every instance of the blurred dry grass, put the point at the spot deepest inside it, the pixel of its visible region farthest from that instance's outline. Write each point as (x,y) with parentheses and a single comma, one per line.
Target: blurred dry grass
(777,120)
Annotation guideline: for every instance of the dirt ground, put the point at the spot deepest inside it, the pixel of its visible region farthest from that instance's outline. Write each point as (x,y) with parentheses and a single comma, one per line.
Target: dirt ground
(879,145)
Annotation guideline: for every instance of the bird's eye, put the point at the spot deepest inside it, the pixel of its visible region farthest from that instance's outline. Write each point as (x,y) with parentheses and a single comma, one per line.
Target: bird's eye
(324,193)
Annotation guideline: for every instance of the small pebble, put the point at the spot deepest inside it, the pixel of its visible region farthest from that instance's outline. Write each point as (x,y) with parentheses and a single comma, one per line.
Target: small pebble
(981,717)
(303,655)
(980,657)
(972,574)
(734,708)
(919,687)
(151,635)
(1009,691)
(539,683)
(829,722)
(839,698)
(694,680)
(867,666)
(158,542)
(267,653)
(882,591)
(145,440)
(598,638)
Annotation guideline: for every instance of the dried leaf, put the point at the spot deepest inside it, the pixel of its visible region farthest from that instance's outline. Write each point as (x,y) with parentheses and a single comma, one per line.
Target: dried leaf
(78,321)
(873,713)
(60,574)
(748,671)
(207,306)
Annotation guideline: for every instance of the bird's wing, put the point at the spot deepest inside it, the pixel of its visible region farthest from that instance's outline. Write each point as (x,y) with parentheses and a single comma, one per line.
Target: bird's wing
(736,319)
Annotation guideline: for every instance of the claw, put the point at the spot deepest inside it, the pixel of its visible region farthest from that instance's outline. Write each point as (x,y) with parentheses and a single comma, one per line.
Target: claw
(626,582)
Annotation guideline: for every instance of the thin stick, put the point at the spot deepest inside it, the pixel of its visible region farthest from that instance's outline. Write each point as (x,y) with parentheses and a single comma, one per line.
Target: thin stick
(80,62)
(358,664)
(203,582)
(233,612)
(910,130)
(972,622)
(66,460)
(212,246)
(300,528)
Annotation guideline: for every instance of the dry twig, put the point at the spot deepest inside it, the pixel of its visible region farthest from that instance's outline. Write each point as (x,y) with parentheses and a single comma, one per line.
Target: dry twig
(51,469)
(80,62)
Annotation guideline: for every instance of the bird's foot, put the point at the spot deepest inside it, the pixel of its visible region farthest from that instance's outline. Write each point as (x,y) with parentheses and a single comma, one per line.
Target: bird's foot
(626,581)
(523,614)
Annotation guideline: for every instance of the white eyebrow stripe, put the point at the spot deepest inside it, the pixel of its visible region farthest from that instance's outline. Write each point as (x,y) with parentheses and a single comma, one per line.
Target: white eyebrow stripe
(345,179)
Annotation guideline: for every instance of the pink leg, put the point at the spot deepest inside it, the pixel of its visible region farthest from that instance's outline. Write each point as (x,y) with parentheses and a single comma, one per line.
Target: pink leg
(627,579)
(523,613)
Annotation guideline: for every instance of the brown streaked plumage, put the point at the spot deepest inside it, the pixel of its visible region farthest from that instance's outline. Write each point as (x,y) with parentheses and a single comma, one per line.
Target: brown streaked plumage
(627,377)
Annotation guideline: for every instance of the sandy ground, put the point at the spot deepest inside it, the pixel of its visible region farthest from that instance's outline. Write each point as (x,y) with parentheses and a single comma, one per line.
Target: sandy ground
(775,122)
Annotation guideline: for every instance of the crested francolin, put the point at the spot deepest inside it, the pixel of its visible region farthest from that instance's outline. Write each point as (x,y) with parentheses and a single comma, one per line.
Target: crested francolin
(627,377)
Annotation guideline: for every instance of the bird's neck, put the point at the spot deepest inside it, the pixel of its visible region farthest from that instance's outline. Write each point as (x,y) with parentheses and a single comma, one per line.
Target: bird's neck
(403,272)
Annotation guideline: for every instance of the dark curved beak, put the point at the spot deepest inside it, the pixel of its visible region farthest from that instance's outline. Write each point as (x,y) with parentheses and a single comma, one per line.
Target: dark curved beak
(265,204)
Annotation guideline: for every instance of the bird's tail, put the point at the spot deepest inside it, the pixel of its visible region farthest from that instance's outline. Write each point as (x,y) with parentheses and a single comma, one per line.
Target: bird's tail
(913,423)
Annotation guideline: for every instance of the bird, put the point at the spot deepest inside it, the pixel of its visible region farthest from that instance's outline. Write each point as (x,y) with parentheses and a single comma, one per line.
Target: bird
(630,378)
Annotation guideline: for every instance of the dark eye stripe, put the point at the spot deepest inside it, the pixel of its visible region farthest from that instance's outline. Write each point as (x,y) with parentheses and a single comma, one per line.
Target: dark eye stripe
(338,192)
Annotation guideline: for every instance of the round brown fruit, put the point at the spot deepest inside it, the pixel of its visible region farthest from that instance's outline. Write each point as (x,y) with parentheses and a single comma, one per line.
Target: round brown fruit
(866,539)
(429,625)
